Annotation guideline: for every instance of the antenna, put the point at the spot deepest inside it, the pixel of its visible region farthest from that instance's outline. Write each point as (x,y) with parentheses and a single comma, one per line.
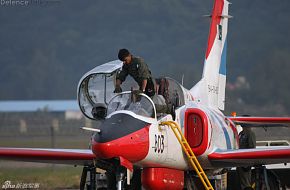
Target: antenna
(182,78)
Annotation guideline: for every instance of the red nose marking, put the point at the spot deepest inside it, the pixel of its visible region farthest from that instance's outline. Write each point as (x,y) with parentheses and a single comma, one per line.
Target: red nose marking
(134,147)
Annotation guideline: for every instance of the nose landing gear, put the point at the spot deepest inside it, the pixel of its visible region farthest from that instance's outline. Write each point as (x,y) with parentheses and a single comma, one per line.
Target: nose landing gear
(92,181)
(114,177)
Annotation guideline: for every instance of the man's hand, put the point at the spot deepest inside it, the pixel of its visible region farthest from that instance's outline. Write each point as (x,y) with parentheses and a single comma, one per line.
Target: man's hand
(137,92)
(144,84)
(136,95)
(118,89)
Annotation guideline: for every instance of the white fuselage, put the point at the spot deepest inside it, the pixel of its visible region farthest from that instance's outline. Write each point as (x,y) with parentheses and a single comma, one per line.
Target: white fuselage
(165,150)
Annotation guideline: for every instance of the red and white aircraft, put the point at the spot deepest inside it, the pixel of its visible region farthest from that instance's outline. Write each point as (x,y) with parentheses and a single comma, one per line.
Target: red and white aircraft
(129,137)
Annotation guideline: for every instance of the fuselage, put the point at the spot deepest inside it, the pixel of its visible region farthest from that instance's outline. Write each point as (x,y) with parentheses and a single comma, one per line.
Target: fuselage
(140,140)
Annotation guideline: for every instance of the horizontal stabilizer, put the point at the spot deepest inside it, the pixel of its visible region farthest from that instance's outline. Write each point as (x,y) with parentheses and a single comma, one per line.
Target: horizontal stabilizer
(222,16)
(226,16)
(209,16)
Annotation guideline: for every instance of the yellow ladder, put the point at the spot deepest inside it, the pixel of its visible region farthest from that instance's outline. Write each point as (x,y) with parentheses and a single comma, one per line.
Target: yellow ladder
(190,155)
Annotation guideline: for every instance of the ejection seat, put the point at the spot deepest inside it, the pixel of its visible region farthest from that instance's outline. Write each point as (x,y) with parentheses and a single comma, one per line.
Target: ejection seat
(169,96)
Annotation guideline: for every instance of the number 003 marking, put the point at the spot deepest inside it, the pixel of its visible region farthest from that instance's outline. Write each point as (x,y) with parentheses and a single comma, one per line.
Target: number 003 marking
(159,143)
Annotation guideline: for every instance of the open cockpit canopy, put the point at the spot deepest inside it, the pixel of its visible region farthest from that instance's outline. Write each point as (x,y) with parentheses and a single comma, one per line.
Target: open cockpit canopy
(96,89)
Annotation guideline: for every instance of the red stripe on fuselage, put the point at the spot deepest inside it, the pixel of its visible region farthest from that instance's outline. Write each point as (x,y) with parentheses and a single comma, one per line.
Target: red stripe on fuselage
(42,154)
(234,129)
(216,18)
(255,154)
(133,147)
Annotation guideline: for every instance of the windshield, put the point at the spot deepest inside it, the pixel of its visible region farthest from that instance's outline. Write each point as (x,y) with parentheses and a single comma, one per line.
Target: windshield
(139,104)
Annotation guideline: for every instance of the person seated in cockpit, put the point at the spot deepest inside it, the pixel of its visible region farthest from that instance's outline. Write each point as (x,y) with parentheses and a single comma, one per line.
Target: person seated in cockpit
(162,85)
(138,69)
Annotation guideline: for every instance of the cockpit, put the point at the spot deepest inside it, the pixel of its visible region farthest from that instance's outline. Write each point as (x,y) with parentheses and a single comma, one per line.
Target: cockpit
(139,104)
(97,100)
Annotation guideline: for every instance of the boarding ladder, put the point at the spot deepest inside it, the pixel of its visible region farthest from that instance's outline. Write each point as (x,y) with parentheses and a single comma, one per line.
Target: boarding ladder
(190,155)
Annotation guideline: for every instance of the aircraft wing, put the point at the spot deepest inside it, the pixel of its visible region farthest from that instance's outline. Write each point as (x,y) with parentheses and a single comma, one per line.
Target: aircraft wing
(261,121)
(57,156)
(250,157)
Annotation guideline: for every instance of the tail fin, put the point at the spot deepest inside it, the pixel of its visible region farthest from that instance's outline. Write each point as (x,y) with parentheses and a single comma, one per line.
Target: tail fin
(210,90)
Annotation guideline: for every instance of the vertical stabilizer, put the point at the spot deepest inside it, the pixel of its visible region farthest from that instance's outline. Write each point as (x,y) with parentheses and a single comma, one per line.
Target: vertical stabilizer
(210,90)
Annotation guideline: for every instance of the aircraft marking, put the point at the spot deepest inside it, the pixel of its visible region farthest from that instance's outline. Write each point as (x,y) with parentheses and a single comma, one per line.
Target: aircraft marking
(159,144)
(226,134)
(213,89)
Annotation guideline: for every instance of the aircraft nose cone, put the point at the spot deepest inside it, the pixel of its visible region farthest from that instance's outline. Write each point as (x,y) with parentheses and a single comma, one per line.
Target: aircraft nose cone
(122,135)
(134,147)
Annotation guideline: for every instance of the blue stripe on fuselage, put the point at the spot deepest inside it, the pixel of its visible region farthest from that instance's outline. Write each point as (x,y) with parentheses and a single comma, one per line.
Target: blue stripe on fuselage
(227,137)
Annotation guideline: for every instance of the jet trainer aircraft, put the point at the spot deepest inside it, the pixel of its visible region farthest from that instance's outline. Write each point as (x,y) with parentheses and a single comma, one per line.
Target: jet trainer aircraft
(130,144)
